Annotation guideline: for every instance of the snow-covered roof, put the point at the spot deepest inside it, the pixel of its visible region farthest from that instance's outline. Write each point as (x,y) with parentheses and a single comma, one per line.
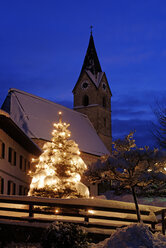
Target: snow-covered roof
(36,115)
(10,128)
(96,80)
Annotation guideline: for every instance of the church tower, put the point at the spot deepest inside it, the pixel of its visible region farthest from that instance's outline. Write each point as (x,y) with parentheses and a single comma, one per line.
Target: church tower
(92,95)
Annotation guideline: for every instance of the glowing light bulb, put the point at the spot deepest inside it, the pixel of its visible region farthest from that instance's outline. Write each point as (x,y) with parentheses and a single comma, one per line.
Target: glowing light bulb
(33,160)
(60,113)
(41,159)
(53,160)
(91,211)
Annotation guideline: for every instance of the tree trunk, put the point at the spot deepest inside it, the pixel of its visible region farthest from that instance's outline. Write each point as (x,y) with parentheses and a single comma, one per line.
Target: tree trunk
(136,204)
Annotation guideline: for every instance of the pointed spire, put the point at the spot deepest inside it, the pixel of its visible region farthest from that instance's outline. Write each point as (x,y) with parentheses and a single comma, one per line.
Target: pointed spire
(91,29)
(91,61)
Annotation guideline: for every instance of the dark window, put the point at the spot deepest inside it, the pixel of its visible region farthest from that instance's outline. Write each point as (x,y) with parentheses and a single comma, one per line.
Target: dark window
(104,102)
(15,156)
(1,185)
(104,86)
(85,100)
(2,149)
(104,122)
(11,188)
(21,190)
(14,188)
(21,160)
(25,164)
(10,155)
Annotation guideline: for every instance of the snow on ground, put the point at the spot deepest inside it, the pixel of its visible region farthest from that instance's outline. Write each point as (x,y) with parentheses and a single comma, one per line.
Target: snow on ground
(133,236)
(153,201)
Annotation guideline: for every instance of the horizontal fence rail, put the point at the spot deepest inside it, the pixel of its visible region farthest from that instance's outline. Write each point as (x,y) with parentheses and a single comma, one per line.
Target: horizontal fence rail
(90,213)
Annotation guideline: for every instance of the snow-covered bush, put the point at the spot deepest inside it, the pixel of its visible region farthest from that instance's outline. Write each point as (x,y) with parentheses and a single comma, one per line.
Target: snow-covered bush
(64,235)
(133,236)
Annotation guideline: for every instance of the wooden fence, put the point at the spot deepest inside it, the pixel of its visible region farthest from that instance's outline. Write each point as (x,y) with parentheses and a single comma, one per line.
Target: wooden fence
(96,215)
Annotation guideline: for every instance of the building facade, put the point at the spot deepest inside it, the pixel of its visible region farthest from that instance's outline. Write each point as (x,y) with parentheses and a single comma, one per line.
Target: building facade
(16,152)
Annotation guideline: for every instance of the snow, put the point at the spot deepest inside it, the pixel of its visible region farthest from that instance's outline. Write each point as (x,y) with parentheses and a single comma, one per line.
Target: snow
(35,116)
(133,236)
(152,201)
(95,80)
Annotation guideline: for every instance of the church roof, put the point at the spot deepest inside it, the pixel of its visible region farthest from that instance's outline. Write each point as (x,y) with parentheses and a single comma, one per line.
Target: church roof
(91,61)
(36,115)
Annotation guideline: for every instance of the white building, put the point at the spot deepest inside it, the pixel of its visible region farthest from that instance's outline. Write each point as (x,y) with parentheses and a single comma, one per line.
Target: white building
(16,151)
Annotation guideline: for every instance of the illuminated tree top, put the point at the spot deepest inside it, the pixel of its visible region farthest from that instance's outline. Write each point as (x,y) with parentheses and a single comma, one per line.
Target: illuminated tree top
(59,168)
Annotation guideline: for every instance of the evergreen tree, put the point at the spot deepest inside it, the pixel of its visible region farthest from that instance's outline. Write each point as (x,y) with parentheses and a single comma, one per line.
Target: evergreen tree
(59,168)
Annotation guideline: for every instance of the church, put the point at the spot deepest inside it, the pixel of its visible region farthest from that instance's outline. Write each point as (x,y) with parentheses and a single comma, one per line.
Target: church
(90,119)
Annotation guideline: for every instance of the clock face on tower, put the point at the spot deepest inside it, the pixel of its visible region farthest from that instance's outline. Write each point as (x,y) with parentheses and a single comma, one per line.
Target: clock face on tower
(84,85)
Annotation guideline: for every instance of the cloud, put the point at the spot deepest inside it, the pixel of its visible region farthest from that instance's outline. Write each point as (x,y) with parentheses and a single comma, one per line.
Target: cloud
(136,105)
(131,107)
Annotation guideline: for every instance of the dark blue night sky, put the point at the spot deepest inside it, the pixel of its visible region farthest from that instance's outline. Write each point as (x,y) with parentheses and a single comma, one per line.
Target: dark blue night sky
(43,44)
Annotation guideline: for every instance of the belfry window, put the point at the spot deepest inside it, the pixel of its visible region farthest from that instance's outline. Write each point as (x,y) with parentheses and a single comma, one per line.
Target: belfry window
(104,102)
(85,100)
(104,122)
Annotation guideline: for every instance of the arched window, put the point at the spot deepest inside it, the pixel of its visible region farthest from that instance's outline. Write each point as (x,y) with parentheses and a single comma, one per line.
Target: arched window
(85,100)
(104,102)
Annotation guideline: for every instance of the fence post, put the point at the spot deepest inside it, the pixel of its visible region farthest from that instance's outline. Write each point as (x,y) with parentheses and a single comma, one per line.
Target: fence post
(163,221)
(31,214)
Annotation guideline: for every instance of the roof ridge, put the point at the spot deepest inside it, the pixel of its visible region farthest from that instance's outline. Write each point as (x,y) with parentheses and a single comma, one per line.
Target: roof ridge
(44,100)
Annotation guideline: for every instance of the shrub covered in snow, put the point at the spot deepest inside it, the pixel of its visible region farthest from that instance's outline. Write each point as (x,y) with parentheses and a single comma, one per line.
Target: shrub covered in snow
(133,236)
(65,235)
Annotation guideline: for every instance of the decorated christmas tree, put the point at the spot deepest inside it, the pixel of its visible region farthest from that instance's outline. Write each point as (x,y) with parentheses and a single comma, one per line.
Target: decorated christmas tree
(59,168)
